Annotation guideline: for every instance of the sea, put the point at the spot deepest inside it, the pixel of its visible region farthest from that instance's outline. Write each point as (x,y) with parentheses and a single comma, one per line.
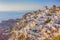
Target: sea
(5,15)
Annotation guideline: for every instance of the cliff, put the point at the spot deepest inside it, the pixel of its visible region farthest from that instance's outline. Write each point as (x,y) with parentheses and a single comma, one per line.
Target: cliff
(37,25)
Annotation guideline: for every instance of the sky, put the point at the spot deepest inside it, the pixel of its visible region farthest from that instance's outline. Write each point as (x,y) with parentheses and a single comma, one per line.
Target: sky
(17,5)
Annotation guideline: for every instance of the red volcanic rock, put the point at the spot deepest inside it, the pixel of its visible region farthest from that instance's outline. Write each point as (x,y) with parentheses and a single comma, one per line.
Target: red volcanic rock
(3,36)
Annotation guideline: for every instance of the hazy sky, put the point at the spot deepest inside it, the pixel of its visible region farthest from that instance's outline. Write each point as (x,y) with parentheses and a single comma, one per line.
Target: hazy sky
(16,5)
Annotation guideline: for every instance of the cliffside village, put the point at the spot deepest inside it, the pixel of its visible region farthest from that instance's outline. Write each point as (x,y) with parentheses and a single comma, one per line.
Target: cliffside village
(38,25)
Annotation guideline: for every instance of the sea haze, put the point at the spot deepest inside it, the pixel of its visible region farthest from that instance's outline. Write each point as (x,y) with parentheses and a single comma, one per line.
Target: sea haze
(11,15)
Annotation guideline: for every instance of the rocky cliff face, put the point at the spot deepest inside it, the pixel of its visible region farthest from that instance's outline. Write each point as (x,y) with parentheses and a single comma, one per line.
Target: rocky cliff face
(5,28)
(36,25)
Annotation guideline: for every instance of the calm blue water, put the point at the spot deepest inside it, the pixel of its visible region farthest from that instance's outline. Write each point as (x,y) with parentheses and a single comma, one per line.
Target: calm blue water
(11,15)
